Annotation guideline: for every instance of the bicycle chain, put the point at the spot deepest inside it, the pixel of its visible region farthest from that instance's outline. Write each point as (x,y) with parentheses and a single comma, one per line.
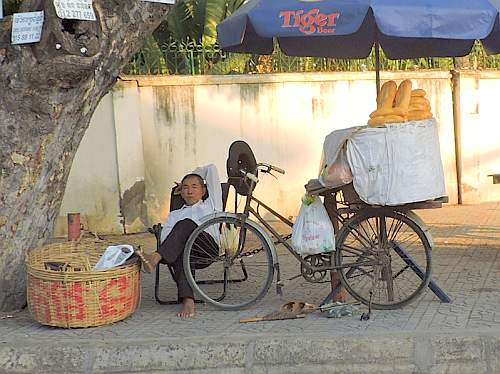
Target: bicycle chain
(257,250)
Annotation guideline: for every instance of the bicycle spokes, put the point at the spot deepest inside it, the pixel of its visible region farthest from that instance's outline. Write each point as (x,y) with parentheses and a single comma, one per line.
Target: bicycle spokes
(387,258)
(238,268)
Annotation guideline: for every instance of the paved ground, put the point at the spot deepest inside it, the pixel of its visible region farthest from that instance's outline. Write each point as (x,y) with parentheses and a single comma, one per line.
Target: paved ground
(426,336)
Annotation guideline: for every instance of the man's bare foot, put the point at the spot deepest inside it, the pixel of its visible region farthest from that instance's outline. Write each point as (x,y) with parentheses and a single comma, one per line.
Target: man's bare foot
(187,310)
(149,260)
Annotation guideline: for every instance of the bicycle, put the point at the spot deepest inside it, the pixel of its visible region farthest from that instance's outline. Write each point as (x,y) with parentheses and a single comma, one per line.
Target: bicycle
(382,254)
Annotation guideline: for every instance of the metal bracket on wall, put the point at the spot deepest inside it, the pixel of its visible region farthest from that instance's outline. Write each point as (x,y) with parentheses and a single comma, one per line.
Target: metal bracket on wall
(496,178)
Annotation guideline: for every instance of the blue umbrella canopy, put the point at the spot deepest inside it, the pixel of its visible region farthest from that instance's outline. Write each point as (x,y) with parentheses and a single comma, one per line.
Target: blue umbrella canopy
(350,28)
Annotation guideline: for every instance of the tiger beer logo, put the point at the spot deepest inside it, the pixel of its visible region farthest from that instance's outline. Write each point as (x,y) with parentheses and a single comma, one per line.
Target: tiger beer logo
(310,22)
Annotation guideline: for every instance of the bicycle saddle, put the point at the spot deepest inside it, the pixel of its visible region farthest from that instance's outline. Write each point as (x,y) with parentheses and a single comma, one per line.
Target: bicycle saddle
(240,157)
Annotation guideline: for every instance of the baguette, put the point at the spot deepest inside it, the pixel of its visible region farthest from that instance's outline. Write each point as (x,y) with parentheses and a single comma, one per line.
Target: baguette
(381,120)
(418,93)
(420,107)
(418,100)
(419,115)
(387,111)
(387,94)
(403,95)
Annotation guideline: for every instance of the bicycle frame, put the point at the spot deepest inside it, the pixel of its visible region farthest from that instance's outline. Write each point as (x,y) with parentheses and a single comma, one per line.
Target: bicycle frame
(280,239)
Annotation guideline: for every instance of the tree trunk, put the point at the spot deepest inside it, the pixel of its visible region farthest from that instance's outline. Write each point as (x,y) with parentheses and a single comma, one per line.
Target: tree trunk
(49,93)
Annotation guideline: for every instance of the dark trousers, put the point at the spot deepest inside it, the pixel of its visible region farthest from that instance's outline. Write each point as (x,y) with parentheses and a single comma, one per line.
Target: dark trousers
(172,250)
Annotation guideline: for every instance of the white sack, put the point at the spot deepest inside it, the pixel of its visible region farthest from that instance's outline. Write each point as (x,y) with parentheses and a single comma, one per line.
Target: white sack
(114,255)
(398,164)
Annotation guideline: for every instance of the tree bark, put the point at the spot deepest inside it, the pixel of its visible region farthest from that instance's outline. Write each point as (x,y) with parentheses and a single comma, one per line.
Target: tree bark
(47,99)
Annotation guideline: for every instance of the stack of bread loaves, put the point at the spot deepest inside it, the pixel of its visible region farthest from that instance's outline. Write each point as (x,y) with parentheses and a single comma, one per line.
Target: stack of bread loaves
(401,104)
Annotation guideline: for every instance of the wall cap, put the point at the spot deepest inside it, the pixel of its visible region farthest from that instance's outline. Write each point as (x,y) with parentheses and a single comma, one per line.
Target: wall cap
(195,80)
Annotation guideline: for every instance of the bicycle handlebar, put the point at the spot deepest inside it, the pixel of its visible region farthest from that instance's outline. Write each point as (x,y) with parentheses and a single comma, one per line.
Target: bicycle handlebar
(268,168)
(272,167)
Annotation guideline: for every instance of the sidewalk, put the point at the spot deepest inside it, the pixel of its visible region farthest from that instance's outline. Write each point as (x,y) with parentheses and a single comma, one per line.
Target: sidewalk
(425,337)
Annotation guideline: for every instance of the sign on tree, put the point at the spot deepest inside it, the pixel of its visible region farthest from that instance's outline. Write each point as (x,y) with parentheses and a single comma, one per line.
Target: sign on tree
(161,1)
(75,9)
(27,27)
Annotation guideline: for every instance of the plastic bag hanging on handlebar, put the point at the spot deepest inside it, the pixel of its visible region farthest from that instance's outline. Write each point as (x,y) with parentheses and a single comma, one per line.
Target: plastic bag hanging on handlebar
(313,231)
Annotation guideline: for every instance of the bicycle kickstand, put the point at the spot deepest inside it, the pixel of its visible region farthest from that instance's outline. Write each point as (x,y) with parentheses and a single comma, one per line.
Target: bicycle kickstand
(279,283)
(366,316)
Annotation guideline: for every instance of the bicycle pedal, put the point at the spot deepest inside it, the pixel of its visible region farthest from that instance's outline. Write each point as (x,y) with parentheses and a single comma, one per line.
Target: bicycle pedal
(365,317)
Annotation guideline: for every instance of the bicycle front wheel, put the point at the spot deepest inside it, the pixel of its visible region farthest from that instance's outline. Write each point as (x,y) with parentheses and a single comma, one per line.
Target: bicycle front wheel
(228,263)
(385,258)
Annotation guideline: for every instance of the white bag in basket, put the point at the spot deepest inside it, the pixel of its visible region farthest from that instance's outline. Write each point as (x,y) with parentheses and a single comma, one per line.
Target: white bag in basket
(313,231)
(114,255)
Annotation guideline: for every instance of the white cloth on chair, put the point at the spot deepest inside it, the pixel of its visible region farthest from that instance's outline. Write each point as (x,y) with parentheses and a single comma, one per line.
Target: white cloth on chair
(201,209)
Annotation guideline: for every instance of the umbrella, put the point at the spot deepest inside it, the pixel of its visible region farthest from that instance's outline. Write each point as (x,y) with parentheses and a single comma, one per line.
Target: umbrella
(351,28)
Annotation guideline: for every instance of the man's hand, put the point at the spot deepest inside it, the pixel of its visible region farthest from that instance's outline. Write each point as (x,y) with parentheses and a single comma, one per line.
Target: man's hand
(177,190)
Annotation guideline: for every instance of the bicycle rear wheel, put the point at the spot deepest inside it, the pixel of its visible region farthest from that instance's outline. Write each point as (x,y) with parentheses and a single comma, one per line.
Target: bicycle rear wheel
(386,258)
(233,271)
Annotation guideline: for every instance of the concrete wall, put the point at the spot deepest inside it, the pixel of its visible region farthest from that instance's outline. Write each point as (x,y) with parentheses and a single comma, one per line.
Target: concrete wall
(149,131)
(480,135)
(93,188)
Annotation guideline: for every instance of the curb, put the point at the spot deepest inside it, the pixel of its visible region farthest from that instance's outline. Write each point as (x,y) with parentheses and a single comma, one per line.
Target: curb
(259,354)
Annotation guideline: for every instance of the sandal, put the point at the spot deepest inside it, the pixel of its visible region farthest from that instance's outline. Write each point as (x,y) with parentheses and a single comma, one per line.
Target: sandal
(298,307)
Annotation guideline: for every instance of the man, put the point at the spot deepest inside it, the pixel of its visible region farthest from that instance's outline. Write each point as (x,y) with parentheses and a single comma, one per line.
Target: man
(202,195)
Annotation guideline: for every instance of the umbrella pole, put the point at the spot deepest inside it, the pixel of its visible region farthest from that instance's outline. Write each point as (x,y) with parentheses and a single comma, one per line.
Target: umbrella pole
(377,65)
(457,127)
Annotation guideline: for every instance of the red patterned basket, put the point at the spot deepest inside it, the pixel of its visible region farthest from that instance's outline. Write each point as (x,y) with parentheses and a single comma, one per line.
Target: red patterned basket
(74,295)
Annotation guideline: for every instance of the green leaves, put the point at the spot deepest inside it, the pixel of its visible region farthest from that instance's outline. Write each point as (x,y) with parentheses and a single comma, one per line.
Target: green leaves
(196,20)
(179,23)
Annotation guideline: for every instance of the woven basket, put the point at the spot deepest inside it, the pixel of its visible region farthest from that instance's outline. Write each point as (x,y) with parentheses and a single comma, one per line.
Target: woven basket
(76,296)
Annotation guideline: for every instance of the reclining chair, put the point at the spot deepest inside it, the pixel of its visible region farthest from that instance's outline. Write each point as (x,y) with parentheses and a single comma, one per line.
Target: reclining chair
(176,202)
(240,157)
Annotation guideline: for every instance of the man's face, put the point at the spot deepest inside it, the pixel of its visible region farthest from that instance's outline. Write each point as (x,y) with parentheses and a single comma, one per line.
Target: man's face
(192,190)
